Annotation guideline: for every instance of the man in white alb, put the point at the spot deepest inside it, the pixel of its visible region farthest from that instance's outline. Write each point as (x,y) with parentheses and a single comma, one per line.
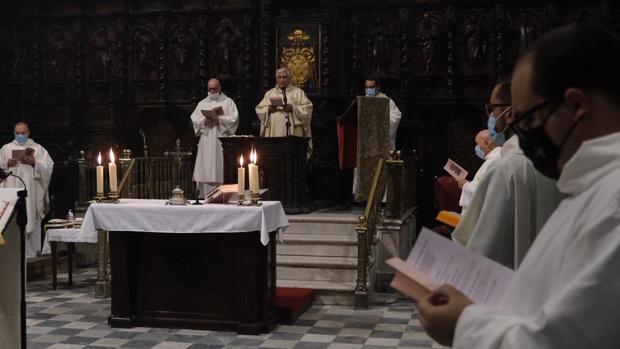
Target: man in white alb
(30,161)
(566,113)
(215,116)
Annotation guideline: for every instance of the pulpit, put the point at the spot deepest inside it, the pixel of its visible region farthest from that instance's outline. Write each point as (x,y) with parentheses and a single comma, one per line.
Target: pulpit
(282,166)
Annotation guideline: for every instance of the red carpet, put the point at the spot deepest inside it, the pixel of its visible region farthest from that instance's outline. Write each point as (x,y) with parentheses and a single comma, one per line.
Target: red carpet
(292,302)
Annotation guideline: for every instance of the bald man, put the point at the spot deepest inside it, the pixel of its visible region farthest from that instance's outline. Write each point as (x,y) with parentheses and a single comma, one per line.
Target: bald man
(31,162)
(488,151)
(215,116)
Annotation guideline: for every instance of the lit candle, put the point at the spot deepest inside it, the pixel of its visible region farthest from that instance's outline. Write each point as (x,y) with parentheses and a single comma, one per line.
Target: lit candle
(112,173)
(253,169)
(241,178)
(99,175)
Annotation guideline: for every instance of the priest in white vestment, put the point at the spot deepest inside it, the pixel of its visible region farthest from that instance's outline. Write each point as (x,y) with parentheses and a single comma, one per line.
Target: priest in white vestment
(30,161)
(511,203)
(296,107)
(215,116)
(488,151)
(565,294)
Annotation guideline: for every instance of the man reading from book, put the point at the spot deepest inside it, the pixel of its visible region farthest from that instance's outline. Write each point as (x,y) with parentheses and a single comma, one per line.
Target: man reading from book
(566,114)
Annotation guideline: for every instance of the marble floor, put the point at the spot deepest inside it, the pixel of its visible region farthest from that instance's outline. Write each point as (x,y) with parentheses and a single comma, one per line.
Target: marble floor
(71,318)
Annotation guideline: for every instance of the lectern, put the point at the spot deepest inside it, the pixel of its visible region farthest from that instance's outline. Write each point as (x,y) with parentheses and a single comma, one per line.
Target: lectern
(282,167)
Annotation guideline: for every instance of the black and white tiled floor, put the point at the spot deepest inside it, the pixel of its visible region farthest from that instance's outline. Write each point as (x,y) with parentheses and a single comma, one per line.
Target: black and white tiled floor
(71,318)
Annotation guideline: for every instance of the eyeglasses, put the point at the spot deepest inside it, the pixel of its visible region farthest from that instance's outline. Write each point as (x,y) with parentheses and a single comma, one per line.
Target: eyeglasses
(490,107)
(524,120)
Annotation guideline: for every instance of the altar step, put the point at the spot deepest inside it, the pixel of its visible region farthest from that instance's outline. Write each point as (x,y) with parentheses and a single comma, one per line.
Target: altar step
(319,251)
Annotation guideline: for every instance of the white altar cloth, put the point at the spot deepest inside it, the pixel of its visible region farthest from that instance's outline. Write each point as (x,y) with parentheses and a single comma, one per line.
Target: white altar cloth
(155,216)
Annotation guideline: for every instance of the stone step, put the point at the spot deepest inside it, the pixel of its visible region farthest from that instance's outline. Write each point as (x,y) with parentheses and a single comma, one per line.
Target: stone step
(323,224)
(318,245)
(317,262)
(316,274)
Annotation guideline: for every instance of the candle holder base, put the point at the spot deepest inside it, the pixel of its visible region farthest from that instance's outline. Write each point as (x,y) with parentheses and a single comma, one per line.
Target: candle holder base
(99,197)
(240,199)
(113,197)
(254,200)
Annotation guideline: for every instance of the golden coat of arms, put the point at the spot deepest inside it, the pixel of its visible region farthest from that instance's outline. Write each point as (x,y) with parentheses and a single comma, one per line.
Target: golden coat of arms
(298,57)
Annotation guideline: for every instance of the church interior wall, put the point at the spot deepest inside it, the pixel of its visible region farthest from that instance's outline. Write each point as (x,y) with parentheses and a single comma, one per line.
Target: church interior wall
(88,75)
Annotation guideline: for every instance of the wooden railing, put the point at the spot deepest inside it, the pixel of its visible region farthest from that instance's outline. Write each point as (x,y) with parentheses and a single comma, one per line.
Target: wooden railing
(141,178)
(367,234)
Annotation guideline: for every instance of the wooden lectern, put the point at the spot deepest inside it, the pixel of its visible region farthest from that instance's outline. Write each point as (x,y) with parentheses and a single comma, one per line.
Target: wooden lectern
(282,167)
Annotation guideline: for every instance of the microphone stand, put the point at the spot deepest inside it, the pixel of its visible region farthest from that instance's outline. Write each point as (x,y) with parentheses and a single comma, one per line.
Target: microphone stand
(22,221)
(288,120)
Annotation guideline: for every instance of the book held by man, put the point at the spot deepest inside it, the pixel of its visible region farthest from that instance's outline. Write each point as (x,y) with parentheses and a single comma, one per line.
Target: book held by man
(213,113)
(276,101)
(435,260)
(455,170)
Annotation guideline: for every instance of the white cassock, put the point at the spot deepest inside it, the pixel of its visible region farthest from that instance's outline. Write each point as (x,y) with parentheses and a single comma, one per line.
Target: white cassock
(37,181)
(395,116)
(565,294)
(510,205)
(469,188)
(274,124)
(209,166)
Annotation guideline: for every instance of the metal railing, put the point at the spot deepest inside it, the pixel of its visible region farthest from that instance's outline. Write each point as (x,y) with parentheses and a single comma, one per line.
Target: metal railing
(367,234)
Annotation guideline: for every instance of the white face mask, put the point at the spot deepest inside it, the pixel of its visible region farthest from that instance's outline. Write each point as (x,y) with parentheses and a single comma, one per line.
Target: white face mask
(213,96)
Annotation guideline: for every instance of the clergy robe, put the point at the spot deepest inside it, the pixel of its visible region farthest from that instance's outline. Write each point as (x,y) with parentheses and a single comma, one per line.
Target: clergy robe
(274,124)
(469,188)
(209,166)
(510,205)
(37,181)
(565,294)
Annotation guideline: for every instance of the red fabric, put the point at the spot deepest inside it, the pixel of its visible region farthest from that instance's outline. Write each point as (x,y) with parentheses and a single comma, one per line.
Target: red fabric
(447,194)
(293,298)
(347,145)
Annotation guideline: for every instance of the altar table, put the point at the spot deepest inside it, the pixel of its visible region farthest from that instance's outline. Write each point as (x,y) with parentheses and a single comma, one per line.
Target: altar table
(203,267)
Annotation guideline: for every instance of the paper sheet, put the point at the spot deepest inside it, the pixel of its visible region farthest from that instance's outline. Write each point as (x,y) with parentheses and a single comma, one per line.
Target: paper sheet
(455,170)
(435,260)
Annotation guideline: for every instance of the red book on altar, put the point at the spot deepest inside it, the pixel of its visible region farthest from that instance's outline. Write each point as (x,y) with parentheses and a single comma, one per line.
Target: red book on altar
(346,128)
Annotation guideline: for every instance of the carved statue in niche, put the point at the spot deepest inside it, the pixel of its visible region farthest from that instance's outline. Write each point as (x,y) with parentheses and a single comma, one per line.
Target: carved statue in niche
(102,45)
(379,48)
(183,42)
(144,53)
(18,51)
(226,35)
(57,53)
(525,31)
(475,42)
(427,40)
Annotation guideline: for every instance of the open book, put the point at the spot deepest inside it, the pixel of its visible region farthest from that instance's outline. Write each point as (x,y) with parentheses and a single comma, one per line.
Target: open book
(276,101)
(455,170)
(18,154)
(213,113)
(226,193)
(435,260)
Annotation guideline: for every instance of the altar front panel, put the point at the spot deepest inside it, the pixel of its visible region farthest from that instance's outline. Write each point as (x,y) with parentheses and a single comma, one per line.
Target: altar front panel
(201,281)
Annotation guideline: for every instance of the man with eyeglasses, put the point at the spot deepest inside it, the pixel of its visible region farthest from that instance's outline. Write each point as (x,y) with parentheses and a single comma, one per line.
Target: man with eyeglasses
(513,200)
(30,161)
(565,294)
(214,117)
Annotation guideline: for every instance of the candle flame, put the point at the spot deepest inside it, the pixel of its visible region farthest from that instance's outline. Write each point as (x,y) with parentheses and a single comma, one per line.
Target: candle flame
(99,159)
(253,156)
(241,161)
(111,156)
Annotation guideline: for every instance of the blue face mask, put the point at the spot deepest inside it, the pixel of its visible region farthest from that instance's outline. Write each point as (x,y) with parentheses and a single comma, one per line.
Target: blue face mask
(21,139)
(498,137)
(479,152)
(371,91)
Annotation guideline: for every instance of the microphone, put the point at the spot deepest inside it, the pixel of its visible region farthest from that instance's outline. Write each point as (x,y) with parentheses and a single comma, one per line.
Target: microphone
(4,174)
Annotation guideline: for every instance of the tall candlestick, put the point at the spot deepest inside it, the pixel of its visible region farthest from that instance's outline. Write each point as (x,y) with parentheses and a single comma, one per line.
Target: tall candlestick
(112,173)
(253,170)
(99,175)
(241,178)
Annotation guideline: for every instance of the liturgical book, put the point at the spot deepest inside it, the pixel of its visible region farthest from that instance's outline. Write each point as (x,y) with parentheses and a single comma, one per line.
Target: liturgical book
(435,260)
(455,170)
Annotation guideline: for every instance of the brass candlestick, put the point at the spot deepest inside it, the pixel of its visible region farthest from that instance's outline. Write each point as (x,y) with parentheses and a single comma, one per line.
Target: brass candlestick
(240,199)
(113,197)
(254,199)
(99,197)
